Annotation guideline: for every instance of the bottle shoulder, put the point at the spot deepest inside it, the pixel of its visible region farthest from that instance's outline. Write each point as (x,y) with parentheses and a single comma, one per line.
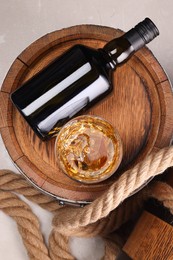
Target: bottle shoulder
(96,57)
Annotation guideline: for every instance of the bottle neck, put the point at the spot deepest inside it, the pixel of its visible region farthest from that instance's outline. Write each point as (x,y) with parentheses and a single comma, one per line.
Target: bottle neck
(122,48)
(118,50)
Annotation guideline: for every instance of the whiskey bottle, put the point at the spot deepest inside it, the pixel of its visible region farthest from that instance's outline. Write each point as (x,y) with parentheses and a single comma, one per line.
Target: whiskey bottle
(76,80)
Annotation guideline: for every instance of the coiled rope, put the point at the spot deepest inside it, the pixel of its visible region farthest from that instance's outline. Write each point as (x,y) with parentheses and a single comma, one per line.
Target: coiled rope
(104,215)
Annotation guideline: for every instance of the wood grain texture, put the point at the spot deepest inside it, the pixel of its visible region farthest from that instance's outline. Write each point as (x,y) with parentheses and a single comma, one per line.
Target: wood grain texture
(140,107)
(6,110)
(14,76)
(9,138)
(151,239)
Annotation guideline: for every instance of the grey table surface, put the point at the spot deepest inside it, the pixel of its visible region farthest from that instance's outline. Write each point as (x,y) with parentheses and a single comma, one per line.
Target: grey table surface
(24,21)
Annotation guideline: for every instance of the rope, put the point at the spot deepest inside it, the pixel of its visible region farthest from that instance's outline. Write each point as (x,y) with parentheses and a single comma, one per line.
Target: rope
(112,247)
(28,225)
(58,246)
(164,193)
(104,215)
(131,180)
(115,219)
(16,183)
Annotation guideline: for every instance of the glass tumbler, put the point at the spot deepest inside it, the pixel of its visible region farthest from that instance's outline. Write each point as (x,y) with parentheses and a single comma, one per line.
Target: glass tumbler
(88,149)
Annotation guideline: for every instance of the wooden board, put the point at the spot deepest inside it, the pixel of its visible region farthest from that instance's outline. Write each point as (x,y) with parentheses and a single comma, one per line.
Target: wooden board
(152,238)
(140,107)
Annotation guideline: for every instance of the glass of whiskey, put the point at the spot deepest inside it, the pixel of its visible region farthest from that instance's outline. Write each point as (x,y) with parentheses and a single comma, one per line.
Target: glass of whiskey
(88,149)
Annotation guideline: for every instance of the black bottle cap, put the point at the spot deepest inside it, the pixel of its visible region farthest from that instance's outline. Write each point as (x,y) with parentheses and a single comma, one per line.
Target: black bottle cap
(147,30)
(141,34)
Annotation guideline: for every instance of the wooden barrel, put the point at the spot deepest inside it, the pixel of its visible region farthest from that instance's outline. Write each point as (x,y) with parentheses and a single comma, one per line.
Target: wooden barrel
(140,108)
